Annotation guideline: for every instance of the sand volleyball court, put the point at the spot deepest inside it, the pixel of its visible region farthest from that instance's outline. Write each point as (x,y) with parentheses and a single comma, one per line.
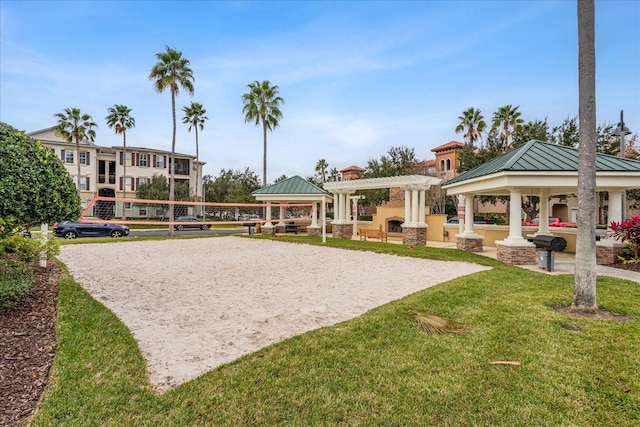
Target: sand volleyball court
(193,305)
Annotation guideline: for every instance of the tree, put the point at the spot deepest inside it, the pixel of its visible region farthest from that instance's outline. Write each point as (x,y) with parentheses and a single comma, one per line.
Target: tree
(158,189)
(281,178)
(321,169)
(538,130)
(567,133)
(232,186)
(398,161)
(472,124)
(262,105)
(172,71)
(334,175)
(29,173)
(119,118)
(584,289)
(74,125)
(507,120)
(194,116)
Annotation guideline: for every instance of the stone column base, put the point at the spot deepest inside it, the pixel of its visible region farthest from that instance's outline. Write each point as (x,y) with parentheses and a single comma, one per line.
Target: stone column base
(314,231)
(342,231)
(416,236)
(469,244)
(279,228)
(267,231)
(607,251)
(517,255)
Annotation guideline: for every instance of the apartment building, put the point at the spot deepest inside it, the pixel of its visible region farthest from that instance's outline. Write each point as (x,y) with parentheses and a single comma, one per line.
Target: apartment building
(102,171)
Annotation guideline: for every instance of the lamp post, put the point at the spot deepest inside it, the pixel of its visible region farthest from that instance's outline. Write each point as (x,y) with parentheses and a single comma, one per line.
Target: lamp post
(622,130)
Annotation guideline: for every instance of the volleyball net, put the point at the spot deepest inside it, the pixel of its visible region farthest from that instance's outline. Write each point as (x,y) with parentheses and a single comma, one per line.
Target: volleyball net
(130,211)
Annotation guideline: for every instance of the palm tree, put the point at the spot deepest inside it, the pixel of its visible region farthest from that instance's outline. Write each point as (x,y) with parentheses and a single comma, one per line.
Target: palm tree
(172,71)
(74,125)
(194,116)
(119,118)
(584,288)
(261,104)
(507,120)
(321,168)
(472,124)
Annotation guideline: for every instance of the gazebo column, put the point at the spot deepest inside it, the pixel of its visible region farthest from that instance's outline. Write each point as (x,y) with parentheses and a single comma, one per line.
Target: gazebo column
(268,228)
(469,240)
(314,229)
(608,250)
(407,206)
(543,215)
(421,208)
(414,232)
(281,216)
(515,249)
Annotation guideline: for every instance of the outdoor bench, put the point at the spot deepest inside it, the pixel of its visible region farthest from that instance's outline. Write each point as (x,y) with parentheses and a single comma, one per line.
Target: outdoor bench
(371,233)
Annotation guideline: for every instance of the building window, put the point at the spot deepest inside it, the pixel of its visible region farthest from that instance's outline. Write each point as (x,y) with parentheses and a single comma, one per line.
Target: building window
(83,157)
(159,212)
(53,150)
(127,182)
(448,164)
(84,183)
(127,205)
(68,156)
(143,160)
(159,161)
(441,165)
(142,211)
(143,181)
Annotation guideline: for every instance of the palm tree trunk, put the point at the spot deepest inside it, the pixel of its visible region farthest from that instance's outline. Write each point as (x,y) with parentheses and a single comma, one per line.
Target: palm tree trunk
(172,167)
(584,293)
(124,165)
(264,155)
(198,183)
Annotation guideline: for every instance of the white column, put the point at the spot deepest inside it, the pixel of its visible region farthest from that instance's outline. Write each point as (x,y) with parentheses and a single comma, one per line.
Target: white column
(324,220)
(336,207)
(468,215)
(314,216)
(543,226)
(615,207)
(354,212)
(407,207)
(268,218)
(281,215)
(461,202)
(414,206)
(515,221)
(421,207)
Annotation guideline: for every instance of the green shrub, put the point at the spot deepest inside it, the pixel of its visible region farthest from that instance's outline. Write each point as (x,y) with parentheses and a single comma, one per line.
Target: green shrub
(15,281)
(365,218)
(28,250)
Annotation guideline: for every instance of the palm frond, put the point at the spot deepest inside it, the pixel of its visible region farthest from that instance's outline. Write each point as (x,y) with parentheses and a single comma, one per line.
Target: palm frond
(437,325)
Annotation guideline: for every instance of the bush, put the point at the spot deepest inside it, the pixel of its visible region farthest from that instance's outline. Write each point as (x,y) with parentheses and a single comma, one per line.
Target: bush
(15,281)
(28,250)
(628,231)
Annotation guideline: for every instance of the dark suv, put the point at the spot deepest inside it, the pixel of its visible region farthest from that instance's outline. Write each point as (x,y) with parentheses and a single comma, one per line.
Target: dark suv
(190,222)
(71,230)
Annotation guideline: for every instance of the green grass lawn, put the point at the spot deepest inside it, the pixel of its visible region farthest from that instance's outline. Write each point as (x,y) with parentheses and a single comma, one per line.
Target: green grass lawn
(377,369)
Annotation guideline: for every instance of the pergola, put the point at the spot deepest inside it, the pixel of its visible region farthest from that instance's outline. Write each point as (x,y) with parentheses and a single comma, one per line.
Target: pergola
(541,169)
(414,186)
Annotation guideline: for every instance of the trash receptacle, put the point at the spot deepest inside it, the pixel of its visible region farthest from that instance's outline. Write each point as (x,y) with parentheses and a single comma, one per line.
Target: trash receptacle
(546,259)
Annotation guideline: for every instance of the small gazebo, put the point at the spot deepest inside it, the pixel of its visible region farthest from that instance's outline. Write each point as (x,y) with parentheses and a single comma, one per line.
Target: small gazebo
(541,169)
(293,190)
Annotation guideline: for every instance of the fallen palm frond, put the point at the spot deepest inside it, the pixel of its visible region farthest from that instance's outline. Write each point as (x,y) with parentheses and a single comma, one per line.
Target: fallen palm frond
(437,325)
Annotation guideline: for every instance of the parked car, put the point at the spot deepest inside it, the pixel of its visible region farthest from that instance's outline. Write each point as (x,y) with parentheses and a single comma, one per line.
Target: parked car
(249,217)
(71,230)
(554,221)
(190,222)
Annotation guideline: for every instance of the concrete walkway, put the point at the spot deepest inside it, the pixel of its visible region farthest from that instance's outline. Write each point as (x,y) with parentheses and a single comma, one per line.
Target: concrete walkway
(564,262)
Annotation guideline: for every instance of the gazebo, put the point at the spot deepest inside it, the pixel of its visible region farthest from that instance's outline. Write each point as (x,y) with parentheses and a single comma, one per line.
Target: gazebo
(295,189)
(545,170)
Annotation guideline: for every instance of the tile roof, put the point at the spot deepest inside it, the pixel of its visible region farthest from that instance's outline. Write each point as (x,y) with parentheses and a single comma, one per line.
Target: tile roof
(447,146)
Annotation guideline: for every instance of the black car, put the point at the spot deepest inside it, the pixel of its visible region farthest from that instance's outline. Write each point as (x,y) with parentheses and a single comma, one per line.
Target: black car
(190,222)
(71,230)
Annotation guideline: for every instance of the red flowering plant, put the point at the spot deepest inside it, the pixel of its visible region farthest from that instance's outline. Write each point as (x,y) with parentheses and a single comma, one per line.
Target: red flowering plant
(628,231)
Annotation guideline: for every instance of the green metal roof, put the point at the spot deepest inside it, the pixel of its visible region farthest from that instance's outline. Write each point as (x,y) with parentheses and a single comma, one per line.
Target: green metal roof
(293,185)
(538,156)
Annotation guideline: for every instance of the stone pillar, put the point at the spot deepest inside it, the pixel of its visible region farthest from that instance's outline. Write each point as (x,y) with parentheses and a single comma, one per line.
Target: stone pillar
(269,230)
(416,236)
(608,251)
(515,221)
(515,249)
(615,207)
(342,231)
(281,215)
(468,216)
(468,240)
(469,244)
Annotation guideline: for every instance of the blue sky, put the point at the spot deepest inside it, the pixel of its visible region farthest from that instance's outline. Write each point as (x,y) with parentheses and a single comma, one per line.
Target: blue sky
(358,77)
